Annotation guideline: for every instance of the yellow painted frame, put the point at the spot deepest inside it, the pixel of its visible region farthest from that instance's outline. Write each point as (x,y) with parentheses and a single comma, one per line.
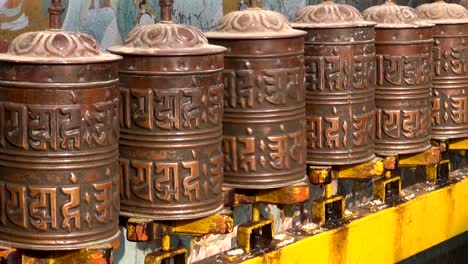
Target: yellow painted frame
(387,236)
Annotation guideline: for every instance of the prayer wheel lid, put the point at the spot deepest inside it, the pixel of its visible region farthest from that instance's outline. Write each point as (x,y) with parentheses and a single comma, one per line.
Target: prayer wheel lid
(166,38)
(329,14)
(254,23)
(55,46)
(391,15)
(441,12)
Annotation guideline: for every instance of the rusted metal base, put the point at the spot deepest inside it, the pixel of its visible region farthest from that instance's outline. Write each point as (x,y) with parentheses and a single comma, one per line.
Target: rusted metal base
(366,170)
(429,216)
(294,194)
(258,233)
(326,210)
(99,254)
(388,190)
(143,230)
(174,256)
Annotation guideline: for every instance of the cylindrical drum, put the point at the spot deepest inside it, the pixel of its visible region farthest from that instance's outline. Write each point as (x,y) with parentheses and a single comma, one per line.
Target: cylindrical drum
(404,71)
(264,130)
(450,80)
(171,92)
(340,79)
(59,133)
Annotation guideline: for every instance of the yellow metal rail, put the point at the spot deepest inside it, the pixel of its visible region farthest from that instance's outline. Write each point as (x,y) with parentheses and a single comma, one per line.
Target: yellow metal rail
(387,236)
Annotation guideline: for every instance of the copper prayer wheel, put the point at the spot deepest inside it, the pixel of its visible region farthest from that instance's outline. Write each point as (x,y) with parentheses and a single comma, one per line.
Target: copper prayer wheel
(264,129)
(340,79)
(171,92)
(450,76)
(404,71)
(58,141)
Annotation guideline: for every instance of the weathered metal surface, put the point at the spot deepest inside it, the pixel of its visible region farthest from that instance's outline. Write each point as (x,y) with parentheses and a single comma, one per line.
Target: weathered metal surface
(397,232)
(340,65)
(144,230)
(450,82)
(404,71)
(428,157)
(290,195)
(58,141)
(264,129)
(171,90)
(461,144)
(366,170)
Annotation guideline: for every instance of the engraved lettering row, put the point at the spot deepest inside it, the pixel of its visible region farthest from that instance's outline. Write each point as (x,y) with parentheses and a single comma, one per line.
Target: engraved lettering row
(171,109)
(454,109)
(247,88)
(45,208)
(52,128)
(334,132)
(334,73)
(283,151)
(399,70)
(171,181)
(407,123)
(452,60)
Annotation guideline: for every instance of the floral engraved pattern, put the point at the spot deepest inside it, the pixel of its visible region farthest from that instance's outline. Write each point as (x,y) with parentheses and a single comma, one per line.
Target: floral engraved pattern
(328,13)
(54,44)
(390,13)
(442,11)
(166,36)
(253,20)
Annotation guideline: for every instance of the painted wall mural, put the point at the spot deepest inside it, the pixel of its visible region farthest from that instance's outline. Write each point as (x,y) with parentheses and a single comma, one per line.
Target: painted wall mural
(110,21)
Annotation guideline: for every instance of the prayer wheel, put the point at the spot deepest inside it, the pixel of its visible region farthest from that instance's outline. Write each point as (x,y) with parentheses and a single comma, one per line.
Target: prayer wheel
(404,79)
(59,133)
(264,122)
(340,80)
(450,76)
(171,97)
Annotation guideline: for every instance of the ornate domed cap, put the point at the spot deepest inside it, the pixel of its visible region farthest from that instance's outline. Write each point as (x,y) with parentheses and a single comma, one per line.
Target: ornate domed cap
(166,38)
(55,46)
(254,22)
(391,15)
(442,13)
(329,14)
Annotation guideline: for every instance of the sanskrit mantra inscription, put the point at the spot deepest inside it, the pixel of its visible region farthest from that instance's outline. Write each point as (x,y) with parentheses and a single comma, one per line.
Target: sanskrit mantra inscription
(249,88)
(335,73)
(58,127)
(166,182)
(252,154)
(60,209)
(335,132)
(410,124)
(404,70)
(171,109)
(453,109)
(451,60)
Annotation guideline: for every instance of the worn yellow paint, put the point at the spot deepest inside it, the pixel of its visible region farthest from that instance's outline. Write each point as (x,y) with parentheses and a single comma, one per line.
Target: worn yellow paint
(371,169)
(294,194)
(319,206)
(459,144)
(159,256)
(318,175)
(428,157)
(387,236)
(379,190)
(214,224)
(244,232)
(230,5)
